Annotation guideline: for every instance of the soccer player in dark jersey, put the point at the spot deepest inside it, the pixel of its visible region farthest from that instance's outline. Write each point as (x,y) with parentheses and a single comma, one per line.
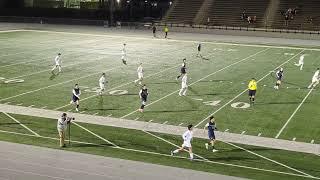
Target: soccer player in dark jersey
(154,29)
(199,50)
(183,69)
(76,92)
(279,76)
(143,97)
(211,126)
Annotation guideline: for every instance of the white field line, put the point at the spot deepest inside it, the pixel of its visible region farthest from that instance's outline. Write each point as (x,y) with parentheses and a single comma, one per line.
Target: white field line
(125,84)
(174,40)
(158,137)
(36,134)
(95,134)
(305,174)
(47,57)
(58,83)
(268,159)
(294,113)
(51,46)
(167,155)
(49,69)
(226,67)
(53,85)
(12,30)
(33,173)
(204,119)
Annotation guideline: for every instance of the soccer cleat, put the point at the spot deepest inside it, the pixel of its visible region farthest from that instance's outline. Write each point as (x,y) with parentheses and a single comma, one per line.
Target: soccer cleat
(207,145)
(77,109)
(214,150)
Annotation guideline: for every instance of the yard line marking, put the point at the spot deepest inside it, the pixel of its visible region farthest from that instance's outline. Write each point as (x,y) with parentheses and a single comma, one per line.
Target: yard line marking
(294,139)
(136,118)
(268,159)
(53,85)
(43,107)
(51,57)
(294,113)
(259,134)
(226,67)
(223,106)
(166,155)
(125,84)
(109,115)
(165,122)
(243,132)
(180,124)
(312,141)
(36,134)
(95,134)
(49,69)
(173,40)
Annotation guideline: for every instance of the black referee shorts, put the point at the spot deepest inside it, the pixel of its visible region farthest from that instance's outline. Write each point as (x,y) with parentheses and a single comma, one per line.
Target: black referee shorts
(252,92)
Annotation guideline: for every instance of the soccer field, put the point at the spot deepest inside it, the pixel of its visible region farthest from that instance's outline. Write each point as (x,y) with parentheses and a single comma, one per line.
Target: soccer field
(217,82)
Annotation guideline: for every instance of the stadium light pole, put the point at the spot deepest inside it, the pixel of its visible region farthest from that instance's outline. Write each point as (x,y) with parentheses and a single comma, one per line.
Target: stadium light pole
(111,11)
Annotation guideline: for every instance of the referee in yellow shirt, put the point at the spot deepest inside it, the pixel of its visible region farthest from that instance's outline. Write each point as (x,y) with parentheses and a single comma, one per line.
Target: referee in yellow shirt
(252,86)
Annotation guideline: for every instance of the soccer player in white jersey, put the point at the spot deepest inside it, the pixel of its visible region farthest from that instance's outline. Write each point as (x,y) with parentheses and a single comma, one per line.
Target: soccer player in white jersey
(301,62)
(140,74)
(57,62)
(315,79)
(124,54)
(102,83)
(184,86)
(186,146)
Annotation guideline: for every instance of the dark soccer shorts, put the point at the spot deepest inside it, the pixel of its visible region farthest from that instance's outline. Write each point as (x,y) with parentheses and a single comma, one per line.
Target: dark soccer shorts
(75,98)
(211,135)
(252,92)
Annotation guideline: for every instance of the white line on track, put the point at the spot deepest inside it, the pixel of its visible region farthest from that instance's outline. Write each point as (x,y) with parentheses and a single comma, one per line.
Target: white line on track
(292,115)
(172,40)
(223,106)
(95,134)
(33,173)
(167,155)
(21,124)
(226,67)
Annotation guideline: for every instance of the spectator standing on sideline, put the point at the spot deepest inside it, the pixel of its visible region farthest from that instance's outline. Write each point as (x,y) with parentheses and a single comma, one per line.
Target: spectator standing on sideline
(166,30)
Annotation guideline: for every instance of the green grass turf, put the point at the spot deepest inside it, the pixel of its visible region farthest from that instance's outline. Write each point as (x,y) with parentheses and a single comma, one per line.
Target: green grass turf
(29,56)
(139,140)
